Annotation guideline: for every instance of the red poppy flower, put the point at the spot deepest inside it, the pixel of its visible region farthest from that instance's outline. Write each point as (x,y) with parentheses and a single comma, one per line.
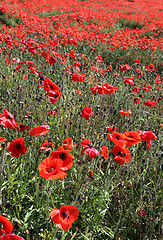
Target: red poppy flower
(50,168)
(50,86)
(53,95)
(90,174)
(86,112)
(117,138)
(52,113)
(2,139)
(98,89)
(78,77)
(150,103)
(104,152)
(135,90)
(136,100)
(122,155)
(141,212)
(99,58)
(147,88)
(139,74)
(28,115)
(137,61)
(128,80)
(68,143)
(6,224)
(39,130)
(132,138)
(52,60)
(125,112)
(108,89)
(46,146)
(103,89)
(88,149)
(17,147)
(65,216)
(11,237)
(125,67)
(22,127)
(147,136)
(7,120)
(111,128)
(150,68)
(91,152)
(65,158)
(85,143)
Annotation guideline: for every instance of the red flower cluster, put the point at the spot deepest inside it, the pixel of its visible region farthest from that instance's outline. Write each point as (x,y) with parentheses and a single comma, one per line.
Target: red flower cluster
(46,146)
(122,140)
(88,149)
(125,67)
(103,89)
(68,143)
(53,91)
(53,167)
(78,77)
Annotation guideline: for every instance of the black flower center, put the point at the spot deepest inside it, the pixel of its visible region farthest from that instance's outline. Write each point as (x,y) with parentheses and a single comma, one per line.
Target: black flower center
(62,156)
(55,96)
(120,154)
(117,137)
(131,136)
(18,145)
(65,215)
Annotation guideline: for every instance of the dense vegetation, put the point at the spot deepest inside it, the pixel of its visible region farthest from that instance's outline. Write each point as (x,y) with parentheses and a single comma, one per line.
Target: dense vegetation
(87,76)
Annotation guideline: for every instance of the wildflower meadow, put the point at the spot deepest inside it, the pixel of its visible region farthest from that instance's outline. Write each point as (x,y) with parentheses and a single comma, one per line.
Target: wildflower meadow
(81,119)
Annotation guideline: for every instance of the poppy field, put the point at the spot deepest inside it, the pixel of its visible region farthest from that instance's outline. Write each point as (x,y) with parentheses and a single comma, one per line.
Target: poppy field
(81,119)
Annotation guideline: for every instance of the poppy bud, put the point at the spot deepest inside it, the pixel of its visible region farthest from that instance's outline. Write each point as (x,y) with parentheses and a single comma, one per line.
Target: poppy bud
(141,212)
(8,204)
(16,224)
(79,161)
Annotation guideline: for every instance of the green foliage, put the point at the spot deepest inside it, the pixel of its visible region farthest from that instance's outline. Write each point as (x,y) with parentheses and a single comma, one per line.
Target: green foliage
(109,200)
(8,20)
(123,23)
